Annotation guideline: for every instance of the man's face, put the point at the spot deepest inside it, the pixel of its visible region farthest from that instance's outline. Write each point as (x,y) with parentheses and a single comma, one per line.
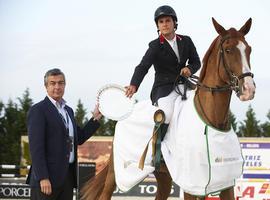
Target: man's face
(166,25)
(56,87)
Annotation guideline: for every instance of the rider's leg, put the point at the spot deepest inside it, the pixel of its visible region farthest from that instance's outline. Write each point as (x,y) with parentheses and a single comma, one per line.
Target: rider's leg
(164,128)
(164,182)
(166,104)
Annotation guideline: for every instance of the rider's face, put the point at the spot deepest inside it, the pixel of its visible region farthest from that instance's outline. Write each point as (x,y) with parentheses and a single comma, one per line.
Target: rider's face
(166,26)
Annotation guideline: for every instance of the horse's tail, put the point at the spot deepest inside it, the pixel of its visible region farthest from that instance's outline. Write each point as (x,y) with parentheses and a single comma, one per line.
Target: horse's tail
(103,184)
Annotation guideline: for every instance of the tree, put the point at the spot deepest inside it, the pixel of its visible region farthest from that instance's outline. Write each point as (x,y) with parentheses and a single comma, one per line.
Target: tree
(266,127)
(1,118)
(10,138)
(107,127)
(25,104)
(12,126)
(232,120)
(250,127)
(80,114)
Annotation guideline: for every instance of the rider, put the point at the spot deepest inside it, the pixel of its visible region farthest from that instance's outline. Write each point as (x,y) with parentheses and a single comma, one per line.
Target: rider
(170,54)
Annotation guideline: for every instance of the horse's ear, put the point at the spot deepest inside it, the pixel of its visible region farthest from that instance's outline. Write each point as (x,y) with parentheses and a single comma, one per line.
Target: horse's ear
(218,27)
(245,29)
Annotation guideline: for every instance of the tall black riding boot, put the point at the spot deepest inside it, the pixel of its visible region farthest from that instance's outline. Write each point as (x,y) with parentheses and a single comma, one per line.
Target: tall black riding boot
(164,128)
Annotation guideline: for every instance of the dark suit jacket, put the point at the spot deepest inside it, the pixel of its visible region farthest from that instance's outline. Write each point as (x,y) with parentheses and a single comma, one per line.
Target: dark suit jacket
(49,145)
(167,68)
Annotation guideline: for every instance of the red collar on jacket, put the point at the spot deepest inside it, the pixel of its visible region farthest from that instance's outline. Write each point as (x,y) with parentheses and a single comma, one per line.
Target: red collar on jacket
(162,38)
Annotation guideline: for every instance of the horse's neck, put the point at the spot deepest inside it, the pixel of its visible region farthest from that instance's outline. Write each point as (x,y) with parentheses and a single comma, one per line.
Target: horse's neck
(213,107)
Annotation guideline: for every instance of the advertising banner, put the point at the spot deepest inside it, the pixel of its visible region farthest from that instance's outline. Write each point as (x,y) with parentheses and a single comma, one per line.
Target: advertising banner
(256,153)
(247,190)
(14,191)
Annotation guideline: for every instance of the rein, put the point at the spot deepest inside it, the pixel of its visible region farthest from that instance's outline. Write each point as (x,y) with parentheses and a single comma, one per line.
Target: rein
(232,86)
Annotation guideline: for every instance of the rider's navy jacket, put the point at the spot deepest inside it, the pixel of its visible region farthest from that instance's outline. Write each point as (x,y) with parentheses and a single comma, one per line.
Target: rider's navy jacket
(167,67)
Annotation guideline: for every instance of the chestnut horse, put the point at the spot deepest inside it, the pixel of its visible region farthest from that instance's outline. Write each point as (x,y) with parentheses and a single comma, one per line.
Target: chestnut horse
(226,68)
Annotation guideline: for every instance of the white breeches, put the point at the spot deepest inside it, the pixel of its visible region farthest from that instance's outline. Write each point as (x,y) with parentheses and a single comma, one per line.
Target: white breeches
(167,103)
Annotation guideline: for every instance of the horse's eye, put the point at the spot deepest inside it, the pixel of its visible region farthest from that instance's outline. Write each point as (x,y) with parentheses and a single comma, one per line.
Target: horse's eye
(227,50)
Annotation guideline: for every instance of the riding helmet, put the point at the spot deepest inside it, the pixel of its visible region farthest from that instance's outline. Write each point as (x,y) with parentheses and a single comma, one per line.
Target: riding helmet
(165,11)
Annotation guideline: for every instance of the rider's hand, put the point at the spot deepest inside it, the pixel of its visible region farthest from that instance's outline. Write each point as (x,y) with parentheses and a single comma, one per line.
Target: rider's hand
(130,90)
(45,186)
(185,72)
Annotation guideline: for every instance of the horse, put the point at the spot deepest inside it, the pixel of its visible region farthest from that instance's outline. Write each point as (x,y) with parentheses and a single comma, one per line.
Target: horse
(226,68)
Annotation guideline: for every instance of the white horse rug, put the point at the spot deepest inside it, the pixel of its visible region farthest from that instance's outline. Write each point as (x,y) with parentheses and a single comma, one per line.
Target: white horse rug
(130,139)
(200,159)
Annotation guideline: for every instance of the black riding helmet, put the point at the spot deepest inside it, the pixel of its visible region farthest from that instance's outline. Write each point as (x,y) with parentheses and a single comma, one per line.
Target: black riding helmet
(165,11)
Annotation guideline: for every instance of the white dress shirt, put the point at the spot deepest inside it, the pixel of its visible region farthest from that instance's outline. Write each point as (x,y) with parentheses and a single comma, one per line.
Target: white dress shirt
(67,121)
(174,46)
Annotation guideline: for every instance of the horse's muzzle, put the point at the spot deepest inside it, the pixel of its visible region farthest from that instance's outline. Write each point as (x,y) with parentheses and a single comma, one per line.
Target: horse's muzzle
(247,89)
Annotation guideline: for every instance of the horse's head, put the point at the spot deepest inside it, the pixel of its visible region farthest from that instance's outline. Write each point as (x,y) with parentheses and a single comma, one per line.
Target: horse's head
(234,56)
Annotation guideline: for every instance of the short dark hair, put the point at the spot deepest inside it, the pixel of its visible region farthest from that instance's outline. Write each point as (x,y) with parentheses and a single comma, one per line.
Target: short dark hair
(53,72)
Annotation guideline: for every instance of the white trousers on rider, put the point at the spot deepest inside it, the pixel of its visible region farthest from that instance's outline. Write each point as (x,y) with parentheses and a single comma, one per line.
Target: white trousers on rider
(166,104)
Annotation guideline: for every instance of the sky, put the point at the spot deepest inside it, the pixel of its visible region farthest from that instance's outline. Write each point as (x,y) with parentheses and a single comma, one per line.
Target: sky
(100,42)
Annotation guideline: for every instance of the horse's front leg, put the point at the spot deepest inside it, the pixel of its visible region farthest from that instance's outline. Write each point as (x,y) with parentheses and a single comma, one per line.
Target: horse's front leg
(227,194)
(192,197)
(164,183)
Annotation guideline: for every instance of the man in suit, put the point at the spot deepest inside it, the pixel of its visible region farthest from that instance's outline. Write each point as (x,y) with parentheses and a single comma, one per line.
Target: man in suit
(53,139)
(171,55)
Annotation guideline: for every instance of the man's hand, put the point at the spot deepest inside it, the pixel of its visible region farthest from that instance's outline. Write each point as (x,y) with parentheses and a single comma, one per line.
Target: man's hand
(130,90)
(45,186)
(185,72)
(96,113)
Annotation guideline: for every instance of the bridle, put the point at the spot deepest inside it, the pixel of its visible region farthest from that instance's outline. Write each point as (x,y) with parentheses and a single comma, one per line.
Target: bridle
(232,85)
(234,81)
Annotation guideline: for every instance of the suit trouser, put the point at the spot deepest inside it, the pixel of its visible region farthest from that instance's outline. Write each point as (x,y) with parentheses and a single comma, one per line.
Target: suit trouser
(64,192)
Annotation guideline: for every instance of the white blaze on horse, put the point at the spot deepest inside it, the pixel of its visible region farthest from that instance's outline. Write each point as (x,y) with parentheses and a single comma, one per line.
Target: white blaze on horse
(248,86)
(202,153)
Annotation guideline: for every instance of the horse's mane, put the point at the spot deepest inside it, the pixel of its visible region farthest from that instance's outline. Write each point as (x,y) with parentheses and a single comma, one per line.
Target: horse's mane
(206,58)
